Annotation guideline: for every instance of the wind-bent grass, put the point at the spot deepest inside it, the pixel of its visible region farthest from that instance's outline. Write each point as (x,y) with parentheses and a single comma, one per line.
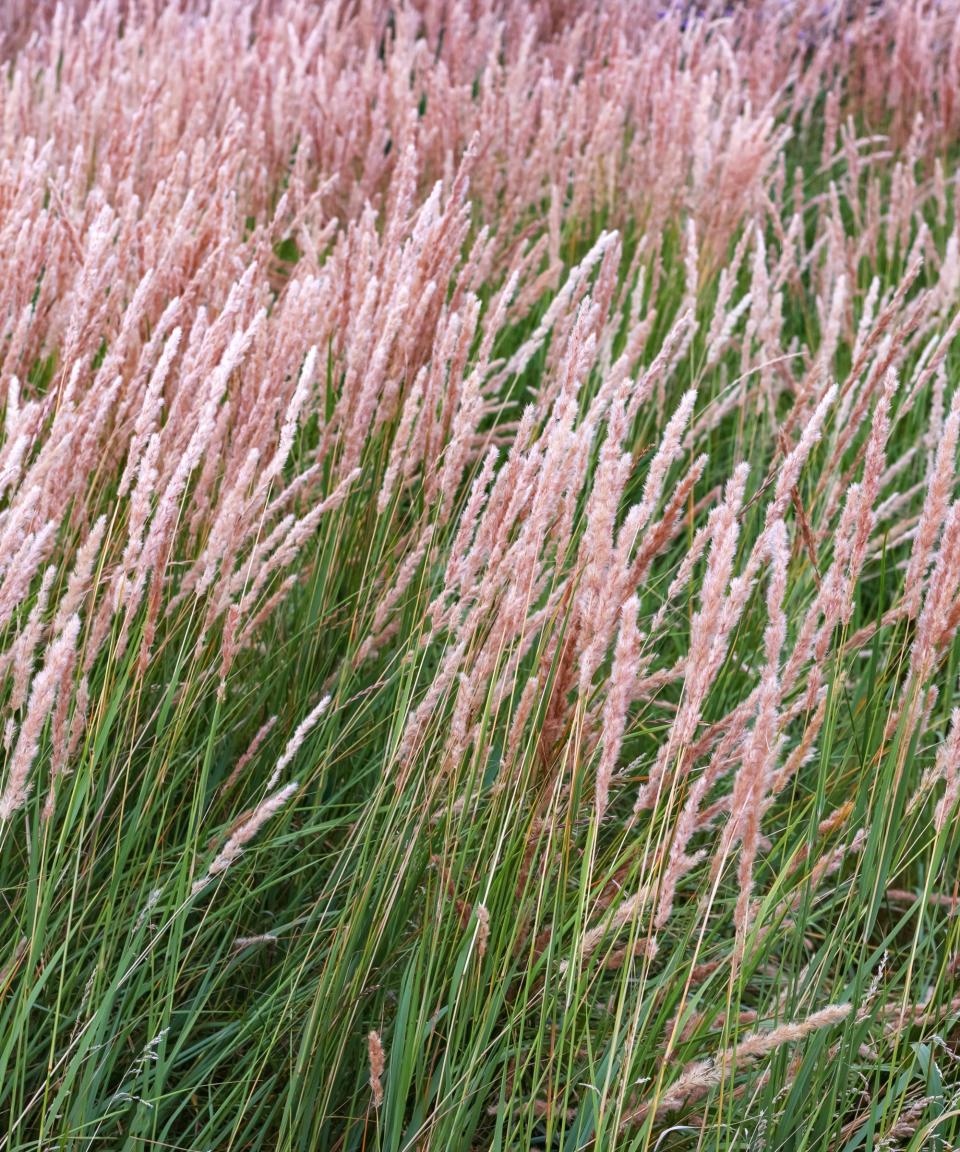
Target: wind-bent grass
(421,730)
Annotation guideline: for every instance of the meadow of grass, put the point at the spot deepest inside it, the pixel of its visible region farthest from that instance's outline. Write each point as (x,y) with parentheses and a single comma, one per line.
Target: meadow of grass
(479,575)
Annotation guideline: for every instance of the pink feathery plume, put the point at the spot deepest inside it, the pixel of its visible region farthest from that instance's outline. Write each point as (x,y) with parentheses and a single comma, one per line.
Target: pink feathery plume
(625,659)
(47,684)
(242,836)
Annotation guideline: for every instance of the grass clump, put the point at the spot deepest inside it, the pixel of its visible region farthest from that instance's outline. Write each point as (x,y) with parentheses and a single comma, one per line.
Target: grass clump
(479,577)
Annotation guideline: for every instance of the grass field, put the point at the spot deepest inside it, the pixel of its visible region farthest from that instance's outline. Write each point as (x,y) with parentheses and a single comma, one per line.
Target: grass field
(479,576)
